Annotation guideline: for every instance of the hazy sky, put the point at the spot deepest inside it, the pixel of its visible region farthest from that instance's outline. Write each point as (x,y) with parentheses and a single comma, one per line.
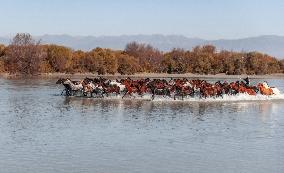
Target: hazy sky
(208,19)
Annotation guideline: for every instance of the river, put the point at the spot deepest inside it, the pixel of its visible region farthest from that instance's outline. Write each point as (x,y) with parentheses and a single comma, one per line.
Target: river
(44,132)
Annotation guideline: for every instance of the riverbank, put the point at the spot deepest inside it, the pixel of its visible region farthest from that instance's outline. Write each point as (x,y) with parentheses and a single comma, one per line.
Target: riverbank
(144,75)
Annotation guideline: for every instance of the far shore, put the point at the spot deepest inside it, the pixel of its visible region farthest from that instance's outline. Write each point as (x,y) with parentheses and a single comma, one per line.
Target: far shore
(144,75)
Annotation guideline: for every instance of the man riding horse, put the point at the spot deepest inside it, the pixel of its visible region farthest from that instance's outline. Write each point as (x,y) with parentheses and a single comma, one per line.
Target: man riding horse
(247,81)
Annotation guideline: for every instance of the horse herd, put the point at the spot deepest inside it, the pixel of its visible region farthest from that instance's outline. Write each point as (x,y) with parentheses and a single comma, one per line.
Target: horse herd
(101,87)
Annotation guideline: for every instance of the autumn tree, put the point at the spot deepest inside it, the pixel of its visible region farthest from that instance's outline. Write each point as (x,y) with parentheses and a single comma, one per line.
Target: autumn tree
(149,58)
(24,55)
(281,63)
(227,62)
(239,63)
(76,62)
(58,57)
(100,61)
(127,65)
(168,64)
(202,59)
(253,63)
(110,61)
(2,63)
(258,63)
(133,49)
(271,64)
(177,61)
(2,50)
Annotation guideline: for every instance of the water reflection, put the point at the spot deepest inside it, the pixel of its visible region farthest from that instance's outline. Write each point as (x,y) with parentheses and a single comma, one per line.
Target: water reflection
(198,110)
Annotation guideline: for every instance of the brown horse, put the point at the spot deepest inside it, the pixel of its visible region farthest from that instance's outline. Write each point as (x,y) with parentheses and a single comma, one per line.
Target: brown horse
(241,88)
(264,90)
(130,89)
(249,91)
(208,90)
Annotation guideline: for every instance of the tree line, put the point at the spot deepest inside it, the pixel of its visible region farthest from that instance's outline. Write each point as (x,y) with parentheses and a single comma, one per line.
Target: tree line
(26,56)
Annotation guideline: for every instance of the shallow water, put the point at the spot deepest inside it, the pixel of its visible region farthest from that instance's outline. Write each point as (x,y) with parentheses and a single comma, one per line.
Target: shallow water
(41,131)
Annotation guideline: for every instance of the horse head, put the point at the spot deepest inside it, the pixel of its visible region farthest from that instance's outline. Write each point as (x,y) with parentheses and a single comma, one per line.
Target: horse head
(60,81)
(260,85)
(265,85)
(63,81)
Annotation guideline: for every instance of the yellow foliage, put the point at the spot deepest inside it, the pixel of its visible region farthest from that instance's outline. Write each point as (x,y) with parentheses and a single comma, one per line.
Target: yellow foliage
(2,66)
(45,67)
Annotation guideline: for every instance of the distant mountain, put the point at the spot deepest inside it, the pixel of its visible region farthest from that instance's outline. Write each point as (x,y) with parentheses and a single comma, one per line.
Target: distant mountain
(119,42)
(270,44)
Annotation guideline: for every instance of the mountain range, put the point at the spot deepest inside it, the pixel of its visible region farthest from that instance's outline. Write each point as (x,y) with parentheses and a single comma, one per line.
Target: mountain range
(269,44)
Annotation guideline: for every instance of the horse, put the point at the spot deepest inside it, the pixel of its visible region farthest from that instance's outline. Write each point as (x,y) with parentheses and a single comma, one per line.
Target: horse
(182,88)
(71,87)
(67,88)
(120,85)
(245,88)
(221,88)
(172,88)
(75,87)
(89,87)
(108,89)
(266,90)
(208,91)
(159,87)
(129,87)
(249,91)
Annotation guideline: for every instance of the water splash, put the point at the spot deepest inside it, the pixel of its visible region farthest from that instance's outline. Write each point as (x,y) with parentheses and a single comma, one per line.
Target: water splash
(224,98)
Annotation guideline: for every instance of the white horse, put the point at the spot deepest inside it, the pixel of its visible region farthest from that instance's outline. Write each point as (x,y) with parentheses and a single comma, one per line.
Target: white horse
(93,88)
(187,84)
(121,86)
(74,87)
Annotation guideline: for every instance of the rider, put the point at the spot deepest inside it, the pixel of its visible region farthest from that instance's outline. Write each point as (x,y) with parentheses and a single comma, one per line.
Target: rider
(247,81)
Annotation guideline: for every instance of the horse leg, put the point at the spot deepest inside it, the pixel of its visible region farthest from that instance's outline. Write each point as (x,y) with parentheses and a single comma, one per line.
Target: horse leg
(153,94)
(63,92)
(124,94)
(85,94)
(68,93)
(192,94)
